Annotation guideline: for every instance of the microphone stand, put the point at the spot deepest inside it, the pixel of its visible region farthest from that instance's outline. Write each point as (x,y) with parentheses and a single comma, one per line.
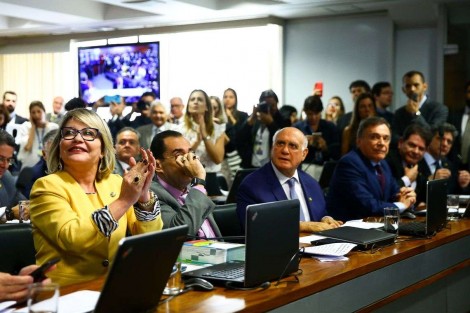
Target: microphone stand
(439,159)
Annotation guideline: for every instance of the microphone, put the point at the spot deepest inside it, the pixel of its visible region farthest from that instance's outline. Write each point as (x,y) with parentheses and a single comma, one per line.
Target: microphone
(14,133)
(440,132)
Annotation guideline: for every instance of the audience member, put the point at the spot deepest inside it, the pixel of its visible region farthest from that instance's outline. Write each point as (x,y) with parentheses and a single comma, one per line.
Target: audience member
(31,133)
(289,114)
(4,117)
(363,108)
(176,111)
(75,103)
(436,165)
(259,129)
(9,101)
(404,161)
(140,114)
(206,137)
(334,109)
(57,110)
(383,96)
(362,184)
(356,88)
(159,118)
(28,175)
(117,121)
(460,119)
(218,113)
(418,108)
(81,210)
(127,146)
(180,186)
(322,136)
(15,287)
(281,179)
(235,120)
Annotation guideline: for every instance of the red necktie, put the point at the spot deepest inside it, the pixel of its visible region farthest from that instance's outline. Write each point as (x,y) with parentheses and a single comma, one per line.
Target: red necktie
(381,177)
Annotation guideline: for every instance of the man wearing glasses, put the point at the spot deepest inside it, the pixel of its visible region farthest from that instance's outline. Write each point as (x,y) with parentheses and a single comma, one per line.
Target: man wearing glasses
(9,195)
(180,186)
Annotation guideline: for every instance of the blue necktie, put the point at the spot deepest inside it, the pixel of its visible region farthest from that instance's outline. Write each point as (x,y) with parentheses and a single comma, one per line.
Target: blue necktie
(293,195)
(381,177)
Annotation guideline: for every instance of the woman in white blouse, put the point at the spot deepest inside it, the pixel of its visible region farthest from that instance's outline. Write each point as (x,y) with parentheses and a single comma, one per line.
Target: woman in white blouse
(206,137)
(30,135)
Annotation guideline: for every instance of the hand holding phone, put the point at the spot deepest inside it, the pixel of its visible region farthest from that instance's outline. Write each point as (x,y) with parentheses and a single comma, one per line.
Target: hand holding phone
(318,89)
(39,273)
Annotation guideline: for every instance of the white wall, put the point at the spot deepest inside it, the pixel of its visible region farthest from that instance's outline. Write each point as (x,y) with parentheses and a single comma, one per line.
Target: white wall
(337,51)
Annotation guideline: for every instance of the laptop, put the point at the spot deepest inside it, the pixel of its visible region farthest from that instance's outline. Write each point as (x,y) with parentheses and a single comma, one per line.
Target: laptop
(272,246)
(436,211)
(140,271)
(365,239)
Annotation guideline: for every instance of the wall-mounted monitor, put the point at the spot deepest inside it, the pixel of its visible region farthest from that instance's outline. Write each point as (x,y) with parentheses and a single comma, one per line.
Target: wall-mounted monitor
(126,70)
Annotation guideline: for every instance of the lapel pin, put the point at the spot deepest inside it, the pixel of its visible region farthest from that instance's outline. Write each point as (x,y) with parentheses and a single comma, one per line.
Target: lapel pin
(112,194)
(310,199)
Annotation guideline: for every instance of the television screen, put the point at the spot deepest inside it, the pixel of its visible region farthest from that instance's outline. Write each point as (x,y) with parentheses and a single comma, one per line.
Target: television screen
(126,70)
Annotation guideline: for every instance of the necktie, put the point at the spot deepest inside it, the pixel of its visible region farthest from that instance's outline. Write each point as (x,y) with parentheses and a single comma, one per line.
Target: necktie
(437,165)
(293,195)
(380,176)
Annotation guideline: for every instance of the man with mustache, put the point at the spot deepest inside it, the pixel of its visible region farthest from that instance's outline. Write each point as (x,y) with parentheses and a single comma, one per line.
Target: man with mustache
(362,184)
(9,101)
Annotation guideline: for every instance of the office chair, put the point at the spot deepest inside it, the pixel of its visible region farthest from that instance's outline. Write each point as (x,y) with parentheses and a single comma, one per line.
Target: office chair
(17,247)
(227,219)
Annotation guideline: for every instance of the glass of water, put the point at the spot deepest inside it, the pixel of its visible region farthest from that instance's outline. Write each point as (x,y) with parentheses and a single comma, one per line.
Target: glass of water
(391,220)
(452,207)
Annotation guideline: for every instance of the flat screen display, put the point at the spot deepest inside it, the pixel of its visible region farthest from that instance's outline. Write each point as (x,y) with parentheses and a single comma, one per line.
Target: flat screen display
(126,70)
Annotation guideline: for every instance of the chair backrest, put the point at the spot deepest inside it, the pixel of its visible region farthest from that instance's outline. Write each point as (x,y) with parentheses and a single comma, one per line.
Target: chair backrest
(227,220)
(16,247)
(327,173)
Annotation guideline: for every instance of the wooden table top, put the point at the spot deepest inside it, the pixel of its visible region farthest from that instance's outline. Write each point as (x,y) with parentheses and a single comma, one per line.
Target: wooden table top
(317,276)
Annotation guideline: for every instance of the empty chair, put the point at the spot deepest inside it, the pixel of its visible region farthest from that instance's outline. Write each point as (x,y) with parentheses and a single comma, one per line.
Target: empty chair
(17,247)
(227,219)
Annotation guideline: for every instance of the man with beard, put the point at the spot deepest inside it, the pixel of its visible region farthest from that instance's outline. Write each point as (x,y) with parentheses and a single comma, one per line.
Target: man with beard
(9,101)
(362,184)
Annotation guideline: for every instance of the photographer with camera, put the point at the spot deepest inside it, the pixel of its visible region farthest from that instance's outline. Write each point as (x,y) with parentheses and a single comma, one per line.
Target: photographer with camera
(259,129)
(140,114)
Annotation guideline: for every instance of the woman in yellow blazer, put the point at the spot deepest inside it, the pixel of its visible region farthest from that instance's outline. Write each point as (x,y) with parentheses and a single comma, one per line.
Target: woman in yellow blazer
(81,210)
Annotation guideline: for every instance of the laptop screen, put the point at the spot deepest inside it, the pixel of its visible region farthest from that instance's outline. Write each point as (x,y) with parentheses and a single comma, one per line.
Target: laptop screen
(436,202)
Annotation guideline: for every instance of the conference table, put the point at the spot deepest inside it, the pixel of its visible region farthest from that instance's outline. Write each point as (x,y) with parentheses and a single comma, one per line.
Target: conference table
(412,275)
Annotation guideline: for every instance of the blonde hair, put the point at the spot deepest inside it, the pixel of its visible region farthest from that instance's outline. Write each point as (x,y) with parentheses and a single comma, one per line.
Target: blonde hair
(188,121)
(91,119)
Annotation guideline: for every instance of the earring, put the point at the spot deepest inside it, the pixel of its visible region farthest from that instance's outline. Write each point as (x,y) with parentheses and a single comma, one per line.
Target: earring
(60,165)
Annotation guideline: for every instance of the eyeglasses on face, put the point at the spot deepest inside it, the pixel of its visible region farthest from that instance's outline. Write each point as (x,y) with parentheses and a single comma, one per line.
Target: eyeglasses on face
(10,161)
(88,134)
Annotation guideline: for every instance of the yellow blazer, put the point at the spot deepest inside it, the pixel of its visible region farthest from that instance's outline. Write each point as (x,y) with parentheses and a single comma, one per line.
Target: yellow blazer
(63,227)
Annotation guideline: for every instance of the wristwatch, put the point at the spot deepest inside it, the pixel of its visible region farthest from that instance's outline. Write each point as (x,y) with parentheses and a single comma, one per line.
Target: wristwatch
(197,181)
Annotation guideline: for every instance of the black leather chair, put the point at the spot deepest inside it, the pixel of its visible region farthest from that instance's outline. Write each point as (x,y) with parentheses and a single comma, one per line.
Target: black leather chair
(227,219)
(16,247)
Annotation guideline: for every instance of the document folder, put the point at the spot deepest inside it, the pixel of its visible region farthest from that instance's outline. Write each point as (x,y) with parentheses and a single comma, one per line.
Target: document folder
(365,239)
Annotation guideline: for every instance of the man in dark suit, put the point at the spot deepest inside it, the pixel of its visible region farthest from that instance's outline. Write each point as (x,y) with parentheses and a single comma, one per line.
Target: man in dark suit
(436,165)
(9,101)
(419,108)
(383,96)
(460,118)
(281,179)
(180,186)
(57,110)
(126,146)
(9,195)
(362,184)
(404,161)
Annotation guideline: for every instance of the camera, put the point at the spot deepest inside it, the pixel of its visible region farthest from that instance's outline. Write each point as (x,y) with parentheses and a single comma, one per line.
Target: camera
(263,107)
(143,105)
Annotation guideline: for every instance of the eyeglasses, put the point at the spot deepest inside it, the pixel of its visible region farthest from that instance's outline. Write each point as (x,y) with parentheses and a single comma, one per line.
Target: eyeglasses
(88,134)
(10,161)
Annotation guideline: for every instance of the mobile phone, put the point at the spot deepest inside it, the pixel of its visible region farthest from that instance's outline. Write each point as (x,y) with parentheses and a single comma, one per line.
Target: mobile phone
(109,99)
(318,86)
(39,273)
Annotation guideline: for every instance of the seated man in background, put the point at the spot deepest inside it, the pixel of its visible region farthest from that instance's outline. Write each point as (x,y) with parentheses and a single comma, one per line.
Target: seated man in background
(9,195)
(436,165)
(281,179)
(28,175)
(404,161)
(362,184)
(180,186)
(322,135)
(127,146)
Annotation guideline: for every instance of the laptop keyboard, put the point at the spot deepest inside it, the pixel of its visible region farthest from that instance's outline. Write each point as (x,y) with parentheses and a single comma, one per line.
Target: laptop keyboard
(230,273)
(412,228)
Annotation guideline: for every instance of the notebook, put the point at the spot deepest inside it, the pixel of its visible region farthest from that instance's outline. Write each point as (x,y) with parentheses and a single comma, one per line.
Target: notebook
(365,239)
(436,211)
(140,271)
(272,246)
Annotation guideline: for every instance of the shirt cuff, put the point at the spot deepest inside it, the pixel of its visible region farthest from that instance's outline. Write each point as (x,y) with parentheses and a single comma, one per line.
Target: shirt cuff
(401,206)
(105,221)
(406,181)
(146,216)
(200,188)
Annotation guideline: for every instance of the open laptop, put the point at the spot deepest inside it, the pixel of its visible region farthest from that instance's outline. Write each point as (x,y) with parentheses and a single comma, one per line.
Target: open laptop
(140,271)
(436,212)
(272,245)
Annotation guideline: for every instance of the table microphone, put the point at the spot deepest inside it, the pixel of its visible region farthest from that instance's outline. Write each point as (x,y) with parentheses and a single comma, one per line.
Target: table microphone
(440,132)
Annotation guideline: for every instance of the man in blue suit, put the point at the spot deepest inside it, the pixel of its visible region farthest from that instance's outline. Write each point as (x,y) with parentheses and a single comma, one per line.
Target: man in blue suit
(362,184)
(281,179)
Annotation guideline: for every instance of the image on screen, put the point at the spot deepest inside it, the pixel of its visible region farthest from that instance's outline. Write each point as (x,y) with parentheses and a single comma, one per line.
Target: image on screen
(126,70)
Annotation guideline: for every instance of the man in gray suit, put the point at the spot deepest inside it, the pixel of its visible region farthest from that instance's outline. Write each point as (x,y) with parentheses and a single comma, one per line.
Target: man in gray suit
(159,117)
(127,146)
(180,186)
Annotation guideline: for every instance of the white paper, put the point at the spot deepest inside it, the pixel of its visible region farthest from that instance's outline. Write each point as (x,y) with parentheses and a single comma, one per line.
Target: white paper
(332,249)
(5,305)
(76,302)
(309,239)
(2,211)
(363,225)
